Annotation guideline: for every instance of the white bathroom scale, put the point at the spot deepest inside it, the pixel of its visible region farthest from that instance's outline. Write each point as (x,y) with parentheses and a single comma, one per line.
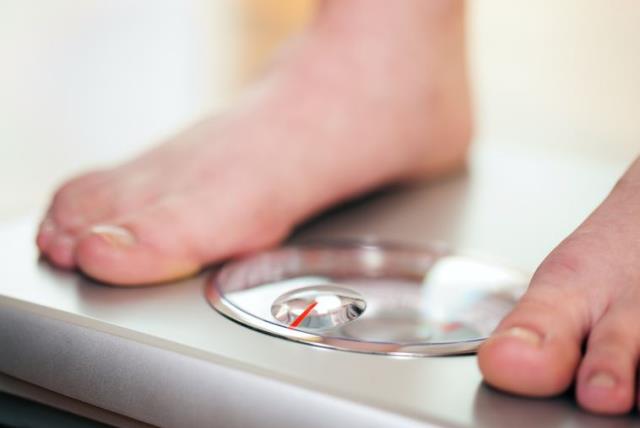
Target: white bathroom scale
(369,316)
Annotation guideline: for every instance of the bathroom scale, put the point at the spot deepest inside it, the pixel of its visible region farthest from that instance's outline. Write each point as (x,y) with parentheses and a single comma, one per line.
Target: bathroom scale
(369,315)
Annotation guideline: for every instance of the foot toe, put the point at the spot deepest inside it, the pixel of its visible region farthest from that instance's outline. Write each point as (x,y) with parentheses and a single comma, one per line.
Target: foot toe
(60,251)
(174,238)
(46,234)
(127,254)
(535,351)
(606,380)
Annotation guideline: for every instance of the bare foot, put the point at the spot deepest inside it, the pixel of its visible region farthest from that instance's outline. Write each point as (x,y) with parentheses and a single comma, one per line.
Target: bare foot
(370,95)
(587,291)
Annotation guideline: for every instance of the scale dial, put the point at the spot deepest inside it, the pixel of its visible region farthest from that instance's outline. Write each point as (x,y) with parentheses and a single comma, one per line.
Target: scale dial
(382,298)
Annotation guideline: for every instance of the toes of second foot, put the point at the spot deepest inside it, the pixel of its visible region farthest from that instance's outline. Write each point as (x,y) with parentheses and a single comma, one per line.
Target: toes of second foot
(537,351)
(606,381)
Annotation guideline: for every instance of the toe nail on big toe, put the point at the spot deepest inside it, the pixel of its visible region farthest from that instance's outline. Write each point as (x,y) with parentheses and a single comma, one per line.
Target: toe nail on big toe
(114,235)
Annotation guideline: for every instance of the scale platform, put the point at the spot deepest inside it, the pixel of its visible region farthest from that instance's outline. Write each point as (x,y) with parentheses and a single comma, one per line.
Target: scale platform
(166,356)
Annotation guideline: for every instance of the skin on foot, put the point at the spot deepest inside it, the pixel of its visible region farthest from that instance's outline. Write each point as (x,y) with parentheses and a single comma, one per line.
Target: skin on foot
(585,295)
(329,121)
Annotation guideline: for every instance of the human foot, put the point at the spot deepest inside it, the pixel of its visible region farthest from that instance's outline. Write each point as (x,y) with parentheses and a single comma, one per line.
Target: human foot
(370,95)
(586,291)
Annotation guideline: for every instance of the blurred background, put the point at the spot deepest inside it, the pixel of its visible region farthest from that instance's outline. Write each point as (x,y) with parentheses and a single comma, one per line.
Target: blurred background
(85,83)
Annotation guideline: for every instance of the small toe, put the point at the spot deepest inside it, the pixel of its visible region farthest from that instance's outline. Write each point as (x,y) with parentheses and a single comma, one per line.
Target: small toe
(606,379)
(60,251)
(46,234)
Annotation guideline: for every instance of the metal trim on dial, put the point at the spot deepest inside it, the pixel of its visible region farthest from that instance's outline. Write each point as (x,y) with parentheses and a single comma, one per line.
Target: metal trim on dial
(217,299)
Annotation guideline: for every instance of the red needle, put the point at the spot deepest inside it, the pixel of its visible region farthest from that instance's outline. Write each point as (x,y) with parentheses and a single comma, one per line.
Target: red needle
(296,322)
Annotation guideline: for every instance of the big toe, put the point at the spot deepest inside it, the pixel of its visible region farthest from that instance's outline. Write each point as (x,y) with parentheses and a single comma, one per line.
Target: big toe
(168,241)
(150,246)
(537,348)
(119,254)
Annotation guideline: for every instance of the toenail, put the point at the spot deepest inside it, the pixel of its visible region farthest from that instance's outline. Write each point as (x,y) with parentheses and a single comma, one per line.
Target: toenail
(524,334)
(47,226)
(602,380)
(114,235)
